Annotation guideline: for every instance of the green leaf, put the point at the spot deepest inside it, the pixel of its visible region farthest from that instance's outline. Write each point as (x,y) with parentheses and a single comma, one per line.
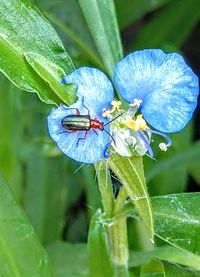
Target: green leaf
(187,157)
(166,253)
(194,165)
(45,196)
(89,183)
(101,19)
(53,75)
(10,166)
(153,268)
(195,173)
(69,20)
(130,172)
(99,259)
(21,254)
(129,11)
(162,182)
(177,220)
(105,187)
(69,259)
(73,37)
(171,27)
(173,270)
(24,29)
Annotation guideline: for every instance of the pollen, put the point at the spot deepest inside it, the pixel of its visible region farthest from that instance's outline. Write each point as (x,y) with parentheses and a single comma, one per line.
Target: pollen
(107,113)
(131,124)
(116,106)
(141,122)
(138,124)
(136,103)
(163,146)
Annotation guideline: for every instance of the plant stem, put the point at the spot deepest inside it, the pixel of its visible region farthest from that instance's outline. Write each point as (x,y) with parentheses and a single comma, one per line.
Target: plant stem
(105,187)
(131,174)
(119,246)
(120,201)
(117,230)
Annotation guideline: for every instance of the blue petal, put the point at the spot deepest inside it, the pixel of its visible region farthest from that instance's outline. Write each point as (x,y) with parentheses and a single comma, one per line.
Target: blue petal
(165,84)
(93,86)
(89,150)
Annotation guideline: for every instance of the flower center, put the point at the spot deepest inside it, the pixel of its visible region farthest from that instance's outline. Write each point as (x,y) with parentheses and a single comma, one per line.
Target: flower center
(136,125)
(131,132)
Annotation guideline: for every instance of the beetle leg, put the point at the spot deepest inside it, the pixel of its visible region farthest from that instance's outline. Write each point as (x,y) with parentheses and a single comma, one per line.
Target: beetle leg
(77,110)
(85,106)
(68,131)
(86,132)
(95,132)
(62,132)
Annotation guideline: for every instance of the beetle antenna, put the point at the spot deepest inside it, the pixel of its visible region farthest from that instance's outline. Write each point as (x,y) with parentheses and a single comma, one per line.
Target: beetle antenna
(110,136)
(113,119)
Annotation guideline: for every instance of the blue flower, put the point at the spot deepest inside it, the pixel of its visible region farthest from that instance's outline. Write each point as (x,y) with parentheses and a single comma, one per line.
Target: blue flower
(160,85)
(166,85)
(95,92)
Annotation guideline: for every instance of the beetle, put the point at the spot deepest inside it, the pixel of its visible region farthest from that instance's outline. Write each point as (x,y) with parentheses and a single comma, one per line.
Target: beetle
(78,122)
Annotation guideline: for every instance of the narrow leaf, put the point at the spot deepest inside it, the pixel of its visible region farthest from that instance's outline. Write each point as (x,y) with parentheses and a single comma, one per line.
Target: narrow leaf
(21,254)
(130,173)
(24,29)
(69,259)
(76,32)
(166,253)
(52,74)
(129,11)
(45,196)
(194,172)
(173,161)
(188,157)
(99,259)
(10,166)
(105,187)
(177,21)
(177,220)
(154,268)
(14,66)
(172,270)
(101,19)
(89,182)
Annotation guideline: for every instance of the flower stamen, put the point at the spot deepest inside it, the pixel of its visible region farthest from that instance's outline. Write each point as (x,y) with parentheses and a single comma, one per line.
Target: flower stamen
(107,113)
(116,106)
(136,125)
(146,142)
(136,103)
(163,146)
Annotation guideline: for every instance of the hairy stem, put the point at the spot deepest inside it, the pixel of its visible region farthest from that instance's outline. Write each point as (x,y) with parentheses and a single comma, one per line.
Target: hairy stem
(119,246)
(117,230)
(105,187)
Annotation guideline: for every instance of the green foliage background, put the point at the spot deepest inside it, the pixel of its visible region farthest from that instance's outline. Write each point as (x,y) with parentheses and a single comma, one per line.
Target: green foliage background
(57,195)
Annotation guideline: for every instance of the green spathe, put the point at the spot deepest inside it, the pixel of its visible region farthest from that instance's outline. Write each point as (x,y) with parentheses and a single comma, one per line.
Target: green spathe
(24,29)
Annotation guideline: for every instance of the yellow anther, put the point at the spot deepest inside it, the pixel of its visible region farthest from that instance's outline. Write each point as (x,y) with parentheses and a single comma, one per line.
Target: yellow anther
(107,113)
(116,105)
(141,122)
(136,103)
(138,124)
(131,124)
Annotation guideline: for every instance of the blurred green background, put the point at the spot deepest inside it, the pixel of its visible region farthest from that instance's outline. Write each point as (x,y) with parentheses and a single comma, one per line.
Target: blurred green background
(58,194)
